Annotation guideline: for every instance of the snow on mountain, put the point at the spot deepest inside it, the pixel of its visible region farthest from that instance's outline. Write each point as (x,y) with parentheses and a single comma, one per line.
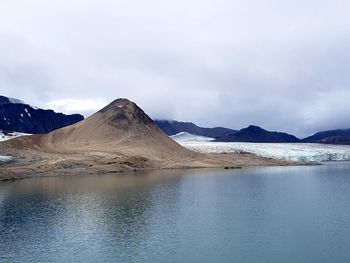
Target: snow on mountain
(9,100)
(4,136)
(306,152)
(188,137)
(15,101)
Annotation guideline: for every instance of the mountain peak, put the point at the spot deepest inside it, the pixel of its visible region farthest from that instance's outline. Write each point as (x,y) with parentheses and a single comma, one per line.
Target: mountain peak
(257,134)
(123,112)
(254,128)
(120,102)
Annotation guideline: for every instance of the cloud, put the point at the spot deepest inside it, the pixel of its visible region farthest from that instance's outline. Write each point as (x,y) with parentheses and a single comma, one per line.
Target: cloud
(283,65)
(86,107)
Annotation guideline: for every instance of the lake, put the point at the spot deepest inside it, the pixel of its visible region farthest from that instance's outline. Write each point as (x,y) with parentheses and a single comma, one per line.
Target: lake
(268,214)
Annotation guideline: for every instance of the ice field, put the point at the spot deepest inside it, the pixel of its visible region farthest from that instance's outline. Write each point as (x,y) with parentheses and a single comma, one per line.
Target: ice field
(283,151)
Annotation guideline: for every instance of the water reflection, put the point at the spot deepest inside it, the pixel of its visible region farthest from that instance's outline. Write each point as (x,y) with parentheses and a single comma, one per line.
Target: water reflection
(279,214)
(50,212)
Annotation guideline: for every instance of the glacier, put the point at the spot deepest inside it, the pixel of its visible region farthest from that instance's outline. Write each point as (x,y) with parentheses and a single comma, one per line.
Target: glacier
(305,152)
(189,137)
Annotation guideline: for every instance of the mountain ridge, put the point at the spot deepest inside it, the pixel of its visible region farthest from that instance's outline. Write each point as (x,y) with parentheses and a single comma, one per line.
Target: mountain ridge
(257,134)
(17,116)
(173,127)
(337,136)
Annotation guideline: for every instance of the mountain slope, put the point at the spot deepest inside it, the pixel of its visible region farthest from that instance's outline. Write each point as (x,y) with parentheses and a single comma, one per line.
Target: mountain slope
(15,115)
(172,127)
(340,140)
(325,136)
(259,135)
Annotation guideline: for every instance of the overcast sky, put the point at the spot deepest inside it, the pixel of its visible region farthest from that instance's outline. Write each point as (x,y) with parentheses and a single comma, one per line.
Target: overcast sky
(283,65)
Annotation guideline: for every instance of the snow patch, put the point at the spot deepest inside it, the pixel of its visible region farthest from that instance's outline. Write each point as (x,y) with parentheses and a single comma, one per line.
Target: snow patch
(4,136)
(16,101)
(189,137)
(5,159)
(26,110)
(306,152)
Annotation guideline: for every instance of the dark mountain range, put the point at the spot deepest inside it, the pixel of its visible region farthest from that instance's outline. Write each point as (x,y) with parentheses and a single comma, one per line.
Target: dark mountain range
(331,137)
(15,115)
(259,135)
(341,140)
(172,127)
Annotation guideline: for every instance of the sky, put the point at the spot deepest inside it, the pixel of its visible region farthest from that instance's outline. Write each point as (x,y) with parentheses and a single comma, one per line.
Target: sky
(282,65)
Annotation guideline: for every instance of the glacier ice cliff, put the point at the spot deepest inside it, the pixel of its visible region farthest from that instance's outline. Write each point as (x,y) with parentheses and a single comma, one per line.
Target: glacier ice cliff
(306,152)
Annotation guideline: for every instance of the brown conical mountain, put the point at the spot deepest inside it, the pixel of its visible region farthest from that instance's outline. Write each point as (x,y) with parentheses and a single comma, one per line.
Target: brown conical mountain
(121,125)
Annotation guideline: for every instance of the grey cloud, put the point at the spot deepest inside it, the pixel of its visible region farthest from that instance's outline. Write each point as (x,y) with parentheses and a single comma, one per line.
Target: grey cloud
(283,65)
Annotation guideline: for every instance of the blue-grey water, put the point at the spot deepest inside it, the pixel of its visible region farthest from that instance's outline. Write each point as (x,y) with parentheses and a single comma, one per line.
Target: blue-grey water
(280,214)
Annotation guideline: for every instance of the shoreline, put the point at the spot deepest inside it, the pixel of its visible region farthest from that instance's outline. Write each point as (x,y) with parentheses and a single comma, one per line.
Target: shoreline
(12,178)
(36,165)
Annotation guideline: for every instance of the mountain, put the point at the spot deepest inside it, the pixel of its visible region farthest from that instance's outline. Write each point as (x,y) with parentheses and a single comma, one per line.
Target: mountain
(259,135)
(119,137)
(119,127)
(330,136)
(340,140)
(172,127)
(16,115)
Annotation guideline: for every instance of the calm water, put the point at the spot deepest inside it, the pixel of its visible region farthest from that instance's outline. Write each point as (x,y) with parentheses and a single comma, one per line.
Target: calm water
(281,214)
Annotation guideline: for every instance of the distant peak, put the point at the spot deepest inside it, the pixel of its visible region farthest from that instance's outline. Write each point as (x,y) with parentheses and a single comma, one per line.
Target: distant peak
(253,128)
(9,100)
